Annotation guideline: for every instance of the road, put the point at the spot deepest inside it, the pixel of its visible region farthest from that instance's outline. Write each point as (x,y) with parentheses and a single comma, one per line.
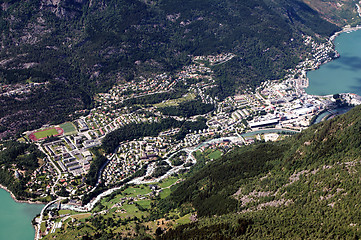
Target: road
(55,167)
(139,180)
(37,236)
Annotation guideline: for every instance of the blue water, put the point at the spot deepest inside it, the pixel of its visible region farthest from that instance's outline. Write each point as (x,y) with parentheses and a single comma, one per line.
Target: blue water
(342,75)
(15,218)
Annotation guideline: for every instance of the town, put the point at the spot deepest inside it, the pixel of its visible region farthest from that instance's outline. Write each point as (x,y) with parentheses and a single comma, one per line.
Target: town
(268,113)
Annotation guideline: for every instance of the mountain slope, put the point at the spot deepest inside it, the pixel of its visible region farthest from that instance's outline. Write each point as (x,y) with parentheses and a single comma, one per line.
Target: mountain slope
(307,186)
(82,47)
(340,12)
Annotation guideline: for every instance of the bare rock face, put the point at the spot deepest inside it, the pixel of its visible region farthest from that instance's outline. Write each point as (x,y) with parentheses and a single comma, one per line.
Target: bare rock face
(64,8)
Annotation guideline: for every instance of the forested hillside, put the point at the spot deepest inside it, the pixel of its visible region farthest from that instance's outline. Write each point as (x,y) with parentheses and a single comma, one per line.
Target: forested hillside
(81,47)
(306,186)
(18,157)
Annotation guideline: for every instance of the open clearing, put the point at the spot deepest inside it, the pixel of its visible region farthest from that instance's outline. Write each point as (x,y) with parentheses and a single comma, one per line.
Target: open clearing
(176,102)
(215,155)
(168,182)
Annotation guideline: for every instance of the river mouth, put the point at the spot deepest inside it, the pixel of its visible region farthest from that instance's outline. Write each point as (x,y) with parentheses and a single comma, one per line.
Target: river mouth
(342,75)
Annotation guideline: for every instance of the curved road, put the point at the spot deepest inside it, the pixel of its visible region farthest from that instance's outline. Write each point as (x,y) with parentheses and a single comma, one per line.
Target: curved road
(139,180)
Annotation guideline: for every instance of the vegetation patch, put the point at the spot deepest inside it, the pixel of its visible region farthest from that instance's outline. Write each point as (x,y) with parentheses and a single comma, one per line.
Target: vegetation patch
(176,102)
(168,182)
(179,158)
(215,155)
(188,109)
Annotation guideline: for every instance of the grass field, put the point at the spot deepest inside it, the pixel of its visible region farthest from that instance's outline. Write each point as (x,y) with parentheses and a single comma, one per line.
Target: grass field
(167,182)
(68,128)
(134,191)
(46,133)
(61,212)
(215,155)
(128,192)
(81,216)
(185,219)
(176,102)
(131,211)
(165,193)
(144,203)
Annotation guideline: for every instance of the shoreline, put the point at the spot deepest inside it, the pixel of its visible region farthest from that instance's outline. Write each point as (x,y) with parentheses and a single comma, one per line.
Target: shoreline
(19,201)
(331,40)
(345,29)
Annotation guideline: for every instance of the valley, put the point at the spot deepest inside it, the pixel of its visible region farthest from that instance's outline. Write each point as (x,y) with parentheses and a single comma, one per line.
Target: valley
(177,120)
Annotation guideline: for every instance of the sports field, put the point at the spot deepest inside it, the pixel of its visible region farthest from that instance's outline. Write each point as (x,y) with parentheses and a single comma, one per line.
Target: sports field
(38,135)
(68,128)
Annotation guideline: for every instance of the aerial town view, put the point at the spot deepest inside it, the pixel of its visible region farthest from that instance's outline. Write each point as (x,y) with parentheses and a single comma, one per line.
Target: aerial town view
(276,109)
(180,120)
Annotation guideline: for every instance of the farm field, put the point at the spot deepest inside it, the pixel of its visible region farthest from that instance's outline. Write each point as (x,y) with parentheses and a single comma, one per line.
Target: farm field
(134,191)
(118,211)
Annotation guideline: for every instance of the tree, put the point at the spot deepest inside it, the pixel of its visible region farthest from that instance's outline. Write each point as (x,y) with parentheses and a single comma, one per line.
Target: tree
(159,231)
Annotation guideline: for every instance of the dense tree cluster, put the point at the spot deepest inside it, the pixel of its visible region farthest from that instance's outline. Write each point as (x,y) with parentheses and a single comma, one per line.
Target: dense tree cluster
(153,98)
(188,109)
(162,167)
(137,130)
(23,157)
(213,231)
(209,188)
(178,158)
(95,166)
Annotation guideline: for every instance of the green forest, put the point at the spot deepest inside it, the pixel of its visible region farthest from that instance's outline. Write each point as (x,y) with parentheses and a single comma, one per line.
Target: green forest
(137,130)
(18,156)
(188,109)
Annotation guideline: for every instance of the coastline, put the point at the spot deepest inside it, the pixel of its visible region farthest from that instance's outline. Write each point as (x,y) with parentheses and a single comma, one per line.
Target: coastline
(331,40)
(19,201)
(345,29)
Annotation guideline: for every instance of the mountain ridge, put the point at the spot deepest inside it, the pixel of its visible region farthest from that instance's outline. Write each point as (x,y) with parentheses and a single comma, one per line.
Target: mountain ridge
(84,47)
